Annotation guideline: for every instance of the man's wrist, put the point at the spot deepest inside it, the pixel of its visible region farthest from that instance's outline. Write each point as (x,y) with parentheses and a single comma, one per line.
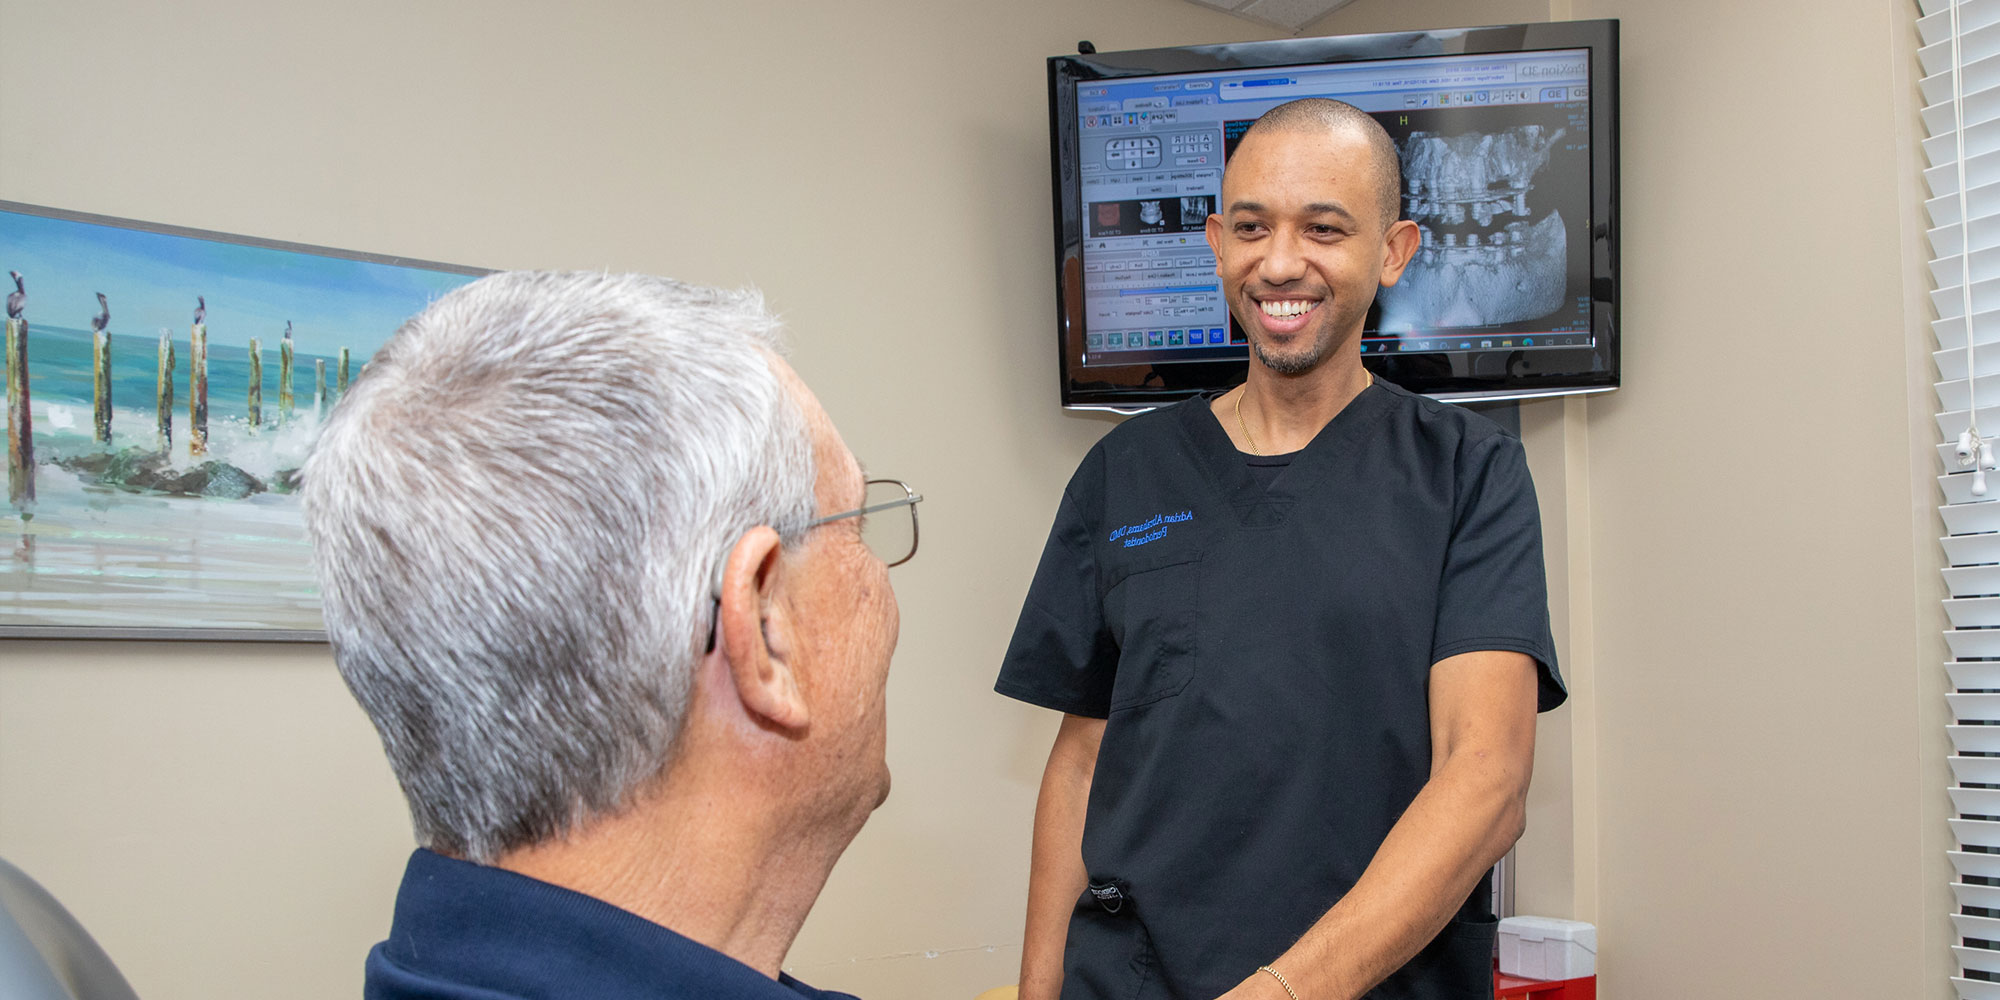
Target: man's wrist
(1292,994)
(1260,985)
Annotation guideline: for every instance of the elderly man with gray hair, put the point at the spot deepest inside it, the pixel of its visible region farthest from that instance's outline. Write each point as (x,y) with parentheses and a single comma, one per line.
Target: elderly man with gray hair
(615,595)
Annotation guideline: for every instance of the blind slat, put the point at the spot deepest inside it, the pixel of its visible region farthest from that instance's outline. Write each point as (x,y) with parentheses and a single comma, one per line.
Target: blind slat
(1956,394)
(1975,46)
(1978,675)
(1980,137)
(1948,301)
(1950,422)
(1971,550)
(1977,802)
(1976,739)
(1943,178)
(1957,485)
(1984,201)
(1950,334)
(1979,928)
(1980,105)
(1973,581)
(1975,989)
(1977,707)
(1980,73)
(1977,771)
(1944,242)
(1982,959)
(1974,643)
(1975,612)
(1984,262)
(1970,518)
(1979,835)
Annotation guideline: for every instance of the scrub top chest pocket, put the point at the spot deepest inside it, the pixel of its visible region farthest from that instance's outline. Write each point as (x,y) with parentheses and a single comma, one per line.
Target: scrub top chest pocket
(1152,613)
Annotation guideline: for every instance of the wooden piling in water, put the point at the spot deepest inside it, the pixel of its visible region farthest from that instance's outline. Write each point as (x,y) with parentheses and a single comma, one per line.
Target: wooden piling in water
(198,390)
(285,377)
(100,367)
(163,392)
(256,384)
(319,387)
(20,423)
(341,387)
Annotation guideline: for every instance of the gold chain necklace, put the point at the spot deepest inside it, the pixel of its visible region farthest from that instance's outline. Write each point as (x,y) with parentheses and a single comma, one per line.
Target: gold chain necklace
(1254,450)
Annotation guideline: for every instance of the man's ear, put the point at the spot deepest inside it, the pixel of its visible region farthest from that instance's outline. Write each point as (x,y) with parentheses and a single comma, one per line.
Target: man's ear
(1399,244)
(754,634)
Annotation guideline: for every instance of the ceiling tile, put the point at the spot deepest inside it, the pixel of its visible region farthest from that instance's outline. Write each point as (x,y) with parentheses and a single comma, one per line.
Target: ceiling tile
(1288,14)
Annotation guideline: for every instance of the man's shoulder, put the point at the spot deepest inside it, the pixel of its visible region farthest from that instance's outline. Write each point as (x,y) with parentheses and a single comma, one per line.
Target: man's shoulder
(388,980)
(1145,439)
(785,979)
(476,932)
(1156,434)
(1153,427)
(1451,424)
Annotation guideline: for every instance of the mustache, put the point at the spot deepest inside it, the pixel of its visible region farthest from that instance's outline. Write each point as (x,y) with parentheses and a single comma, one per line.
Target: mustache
(1286,292)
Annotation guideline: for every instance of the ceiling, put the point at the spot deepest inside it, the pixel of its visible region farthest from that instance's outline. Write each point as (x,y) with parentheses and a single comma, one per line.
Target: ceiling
(1290,15)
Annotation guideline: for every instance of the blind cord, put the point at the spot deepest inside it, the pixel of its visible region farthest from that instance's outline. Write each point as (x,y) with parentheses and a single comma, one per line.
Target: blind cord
(1970,442)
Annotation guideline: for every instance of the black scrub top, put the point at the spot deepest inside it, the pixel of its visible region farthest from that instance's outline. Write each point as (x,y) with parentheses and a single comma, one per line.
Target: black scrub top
(1262,655)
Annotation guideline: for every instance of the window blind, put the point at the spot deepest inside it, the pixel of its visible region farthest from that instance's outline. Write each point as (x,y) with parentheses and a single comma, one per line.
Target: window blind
(1960,57)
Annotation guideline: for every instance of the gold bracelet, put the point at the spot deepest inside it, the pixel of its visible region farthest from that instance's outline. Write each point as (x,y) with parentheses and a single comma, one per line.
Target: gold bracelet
(1281,980)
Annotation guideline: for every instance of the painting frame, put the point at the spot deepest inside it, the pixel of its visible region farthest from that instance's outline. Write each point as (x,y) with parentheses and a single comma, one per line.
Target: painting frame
(272,259)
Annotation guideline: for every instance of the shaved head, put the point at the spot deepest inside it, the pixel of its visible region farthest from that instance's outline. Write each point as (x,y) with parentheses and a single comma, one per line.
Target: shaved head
(1328,116)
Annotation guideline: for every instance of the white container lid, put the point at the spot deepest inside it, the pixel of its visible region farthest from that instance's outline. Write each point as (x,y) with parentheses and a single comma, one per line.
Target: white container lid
(1577,932)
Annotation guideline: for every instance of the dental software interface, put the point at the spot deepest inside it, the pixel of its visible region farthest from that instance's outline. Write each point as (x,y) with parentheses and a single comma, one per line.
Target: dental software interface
(1495,152)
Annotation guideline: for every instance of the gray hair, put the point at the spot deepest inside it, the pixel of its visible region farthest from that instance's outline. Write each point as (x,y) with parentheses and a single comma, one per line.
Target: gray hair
(517,514)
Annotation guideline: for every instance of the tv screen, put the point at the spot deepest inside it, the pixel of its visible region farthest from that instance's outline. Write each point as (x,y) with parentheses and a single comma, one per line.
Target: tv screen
(1509,144)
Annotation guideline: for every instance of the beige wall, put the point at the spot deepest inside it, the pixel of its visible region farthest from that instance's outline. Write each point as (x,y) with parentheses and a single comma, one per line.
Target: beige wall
(1755,806)
(1762,769)
(1743,793)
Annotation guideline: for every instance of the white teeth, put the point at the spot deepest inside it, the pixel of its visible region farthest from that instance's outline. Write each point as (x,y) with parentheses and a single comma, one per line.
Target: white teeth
(1287,308)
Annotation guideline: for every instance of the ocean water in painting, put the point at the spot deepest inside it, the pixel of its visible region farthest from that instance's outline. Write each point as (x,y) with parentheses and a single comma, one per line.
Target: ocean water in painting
(142,531)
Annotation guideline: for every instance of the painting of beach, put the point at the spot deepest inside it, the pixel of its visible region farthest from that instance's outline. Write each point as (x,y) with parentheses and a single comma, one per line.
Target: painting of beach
(163,389)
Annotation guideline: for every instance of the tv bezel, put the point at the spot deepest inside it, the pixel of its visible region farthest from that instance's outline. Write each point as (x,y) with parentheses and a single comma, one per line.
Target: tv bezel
(1179,380)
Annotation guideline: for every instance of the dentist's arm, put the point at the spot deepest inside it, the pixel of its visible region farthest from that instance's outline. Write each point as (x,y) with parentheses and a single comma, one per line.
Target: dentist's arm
(1056,875)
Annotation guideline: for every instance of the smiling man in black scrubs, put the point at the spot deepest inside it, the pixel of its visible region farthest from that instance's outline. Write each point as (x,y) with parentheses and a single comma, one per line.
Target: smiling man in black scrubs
(1299,631)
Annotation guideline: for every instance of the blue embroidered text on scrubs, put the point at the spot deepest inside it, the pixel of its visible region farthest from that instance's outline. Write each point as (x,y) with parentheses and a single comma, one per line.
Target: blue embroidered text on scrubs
(1263,664)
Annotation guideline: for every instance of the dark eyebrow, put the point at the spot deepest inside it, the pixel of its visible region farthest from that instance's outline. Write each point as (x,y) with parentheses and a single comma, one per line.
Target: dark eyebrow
(1329,208)
(1316,208)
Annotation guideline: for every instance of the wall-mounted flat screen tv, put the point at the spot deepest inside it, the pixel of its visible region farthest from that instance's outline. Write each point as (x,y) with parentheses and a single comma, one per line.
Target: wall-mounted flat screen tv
(1509,144)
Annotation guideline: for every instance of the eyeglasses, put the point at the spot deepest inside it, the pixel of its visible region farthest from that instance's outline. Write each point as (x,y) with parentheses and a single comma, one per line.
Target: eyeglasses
(892,537)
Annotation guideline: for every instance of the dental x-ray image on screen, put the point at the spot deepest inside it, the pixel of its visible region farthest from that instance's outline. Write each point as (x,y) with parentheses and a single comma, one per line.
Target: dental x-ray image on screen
(1491,208)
